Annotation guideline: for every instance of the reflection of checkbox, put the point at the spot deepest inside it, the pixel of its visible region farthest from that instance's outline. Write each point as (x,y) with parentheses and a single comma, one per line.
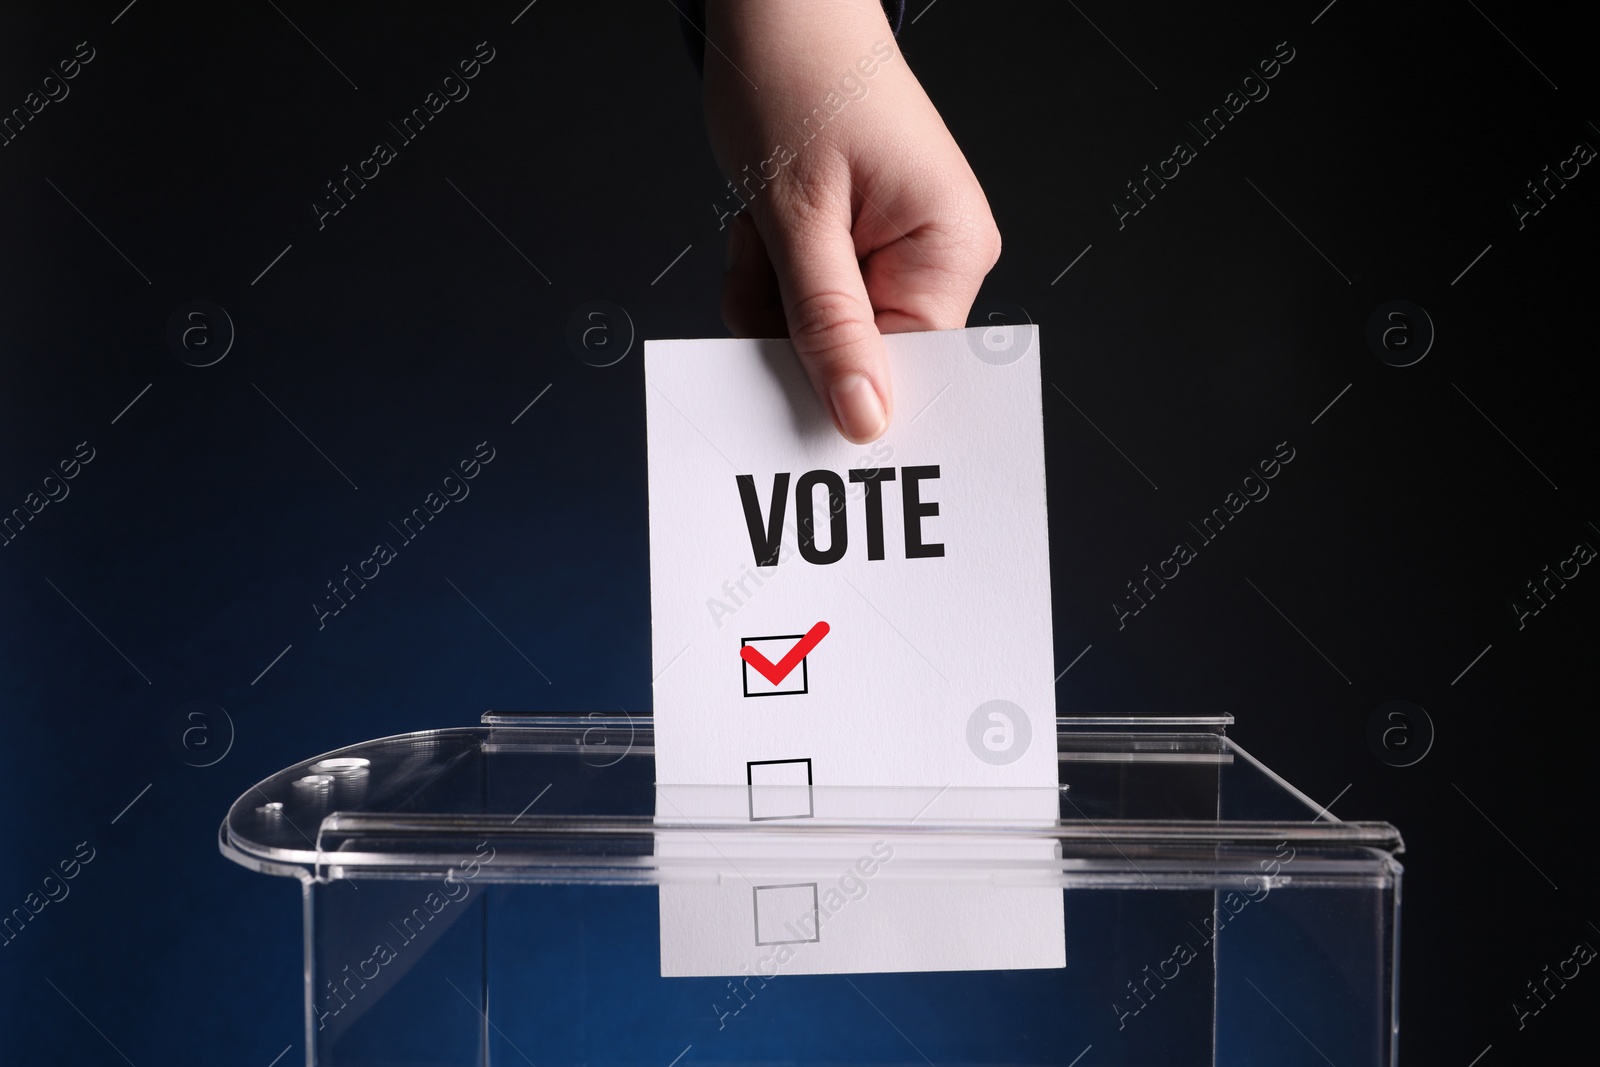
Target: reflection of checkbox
(797,681)
(786,914)
(779,789)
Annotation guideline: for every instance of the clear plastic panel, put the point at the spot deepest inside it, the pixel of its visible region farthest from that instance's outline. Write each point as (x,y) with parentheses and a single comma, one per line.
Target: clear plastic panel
(492,895)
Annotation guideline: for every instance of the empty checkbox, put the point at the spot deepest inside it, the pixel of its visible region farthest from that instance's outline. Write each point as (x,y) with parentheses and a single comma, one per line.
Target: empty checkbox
(779,789)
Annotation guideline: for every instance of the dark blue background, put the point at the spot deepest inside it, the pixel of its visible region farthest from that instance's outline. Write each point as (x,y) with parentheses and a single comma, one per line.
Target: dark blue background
(407,331)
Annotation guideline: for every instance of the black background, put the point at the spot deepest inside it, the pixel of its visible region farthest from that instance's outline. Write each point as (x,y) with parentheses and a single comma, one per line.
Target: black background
(1196,338)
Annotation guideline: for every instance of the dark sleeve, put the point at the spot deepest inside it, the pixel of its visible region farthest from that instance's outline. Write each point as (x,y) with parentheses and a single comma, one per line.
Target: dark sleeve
(692,20)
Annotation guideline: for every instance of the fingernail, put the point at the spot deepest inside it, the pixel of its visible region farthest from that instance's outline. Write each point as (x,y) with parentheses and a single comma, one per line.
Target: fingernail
(858,408)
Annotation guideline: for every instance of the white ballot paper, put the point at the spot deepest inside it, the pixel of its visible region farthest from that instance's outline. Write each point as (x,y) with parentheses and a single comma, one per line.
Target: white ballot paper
(847,634)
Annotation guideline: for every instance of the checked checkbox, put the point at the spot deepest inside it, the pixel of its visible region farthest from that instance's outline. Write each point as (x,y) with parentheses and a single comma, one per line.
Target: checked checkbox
(769,663)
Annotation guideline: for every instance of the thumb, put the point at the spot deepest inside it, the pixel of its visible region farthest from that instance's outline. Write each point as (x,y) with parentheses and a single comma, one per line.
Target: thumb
(831,324)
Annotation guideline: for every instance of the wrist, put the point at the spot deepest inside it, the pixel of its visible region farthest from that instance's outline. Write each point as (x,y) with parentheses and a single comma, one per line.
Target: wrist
(783,28)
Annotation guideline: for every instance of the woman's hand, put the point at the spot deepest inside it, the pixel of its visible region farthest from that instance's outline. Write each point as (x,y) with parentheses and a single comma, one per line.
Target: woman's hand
(862,214)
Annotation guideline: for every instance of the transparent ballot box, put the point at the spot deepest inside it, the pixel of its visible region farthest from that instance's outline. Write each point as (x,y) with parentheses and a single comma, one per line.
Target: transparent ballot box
(520,892)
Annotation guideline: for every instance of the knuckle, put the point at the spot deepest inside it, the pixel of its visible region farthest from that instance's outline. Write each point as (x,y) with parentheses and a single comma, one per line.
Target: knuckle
(815,186)
(989,245)
(827,326)
(979,236)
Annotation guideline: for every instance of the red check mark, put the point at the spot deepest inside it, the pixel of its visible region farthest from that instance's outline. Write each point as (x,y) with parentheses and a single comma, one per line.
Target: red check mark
(777,672)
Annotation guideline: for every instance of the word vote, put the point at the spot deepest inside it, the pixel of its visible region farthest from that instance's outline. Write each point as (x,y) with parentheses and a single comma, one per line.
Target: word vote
(766,539)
